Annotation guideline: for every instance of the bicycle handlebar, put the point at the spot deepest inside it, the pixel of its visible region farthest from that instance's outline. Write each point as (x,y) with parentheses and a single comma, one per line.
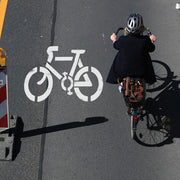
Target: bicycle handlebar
(148,31)
(121,28)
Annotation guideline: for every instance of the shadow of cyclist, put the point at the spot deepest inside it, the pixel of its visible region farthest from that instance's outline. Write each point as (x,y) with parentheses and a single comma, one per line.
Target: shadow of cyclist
(165,111)
(168,101)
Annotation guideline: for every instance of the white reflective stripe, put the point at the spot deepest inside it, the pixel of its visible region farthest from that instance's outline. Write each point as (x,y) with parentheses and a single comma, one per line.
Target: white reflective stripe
(3,105)
(7,105)
(63,58)
(3,77)
(3,109)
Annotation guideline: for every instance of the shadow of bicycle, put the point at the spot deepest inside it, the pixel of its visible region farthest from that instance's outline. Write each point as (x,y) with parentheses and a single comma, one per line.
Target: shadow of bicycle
(160,121)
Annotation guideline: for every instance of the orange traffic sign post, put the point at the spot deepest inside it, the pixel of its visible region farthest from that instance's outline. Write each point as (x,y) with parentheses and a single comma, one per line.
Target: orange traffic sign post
(7,123)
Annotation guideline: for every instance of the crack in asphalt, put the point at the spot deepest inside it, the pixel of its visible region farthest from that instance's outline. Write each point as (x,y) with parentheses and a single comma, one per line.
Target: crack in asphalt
(43,137)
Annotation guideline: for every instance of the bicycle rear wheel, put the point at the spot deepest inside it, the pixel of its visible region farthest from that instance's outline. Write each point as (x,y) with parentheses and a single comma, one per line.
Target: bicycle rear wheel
(150,132)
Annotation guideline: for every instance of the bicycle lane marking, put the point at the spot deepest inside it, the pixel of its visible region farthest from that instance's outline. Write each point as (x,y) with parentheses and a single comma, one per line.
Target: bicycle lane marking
(3,7)
(79,80)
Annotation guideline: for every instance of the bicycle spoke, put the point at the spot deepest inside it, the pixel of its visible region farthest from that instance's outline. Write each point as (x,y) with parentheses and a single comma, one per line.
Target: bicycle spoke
(150,132)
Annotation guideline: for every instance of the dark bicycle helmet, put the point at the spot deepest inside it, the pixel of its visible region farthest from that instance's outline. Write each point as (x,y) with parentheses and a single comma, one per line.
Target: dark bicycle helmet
(135,24)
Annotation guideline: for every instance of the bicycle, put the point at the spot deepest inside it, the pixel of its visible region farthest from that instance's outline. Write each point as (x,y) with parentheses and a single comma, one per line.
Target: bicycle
(136,113)
(75,80)
(147,126)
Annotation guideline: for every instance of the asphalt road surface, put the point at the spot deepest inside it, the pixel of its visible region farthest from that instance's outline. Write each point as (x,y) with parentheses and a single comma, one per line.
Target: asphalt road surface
(64,137)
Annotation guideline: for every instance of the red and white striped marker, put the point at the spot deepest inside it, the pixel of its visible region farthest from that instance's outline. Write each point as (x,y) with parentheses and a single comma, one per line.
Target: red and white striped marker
(4,110)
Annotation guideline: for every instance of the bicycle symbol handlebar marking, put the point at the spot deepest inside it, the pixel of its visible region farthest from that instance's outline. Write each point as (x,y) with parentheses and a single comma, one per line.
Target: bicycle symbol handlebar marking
(73,78)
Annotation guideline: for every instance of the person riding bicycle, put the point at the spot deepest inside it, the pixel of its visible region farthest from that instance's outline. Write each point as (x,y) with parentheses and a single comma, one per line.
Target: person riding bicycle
(133,59)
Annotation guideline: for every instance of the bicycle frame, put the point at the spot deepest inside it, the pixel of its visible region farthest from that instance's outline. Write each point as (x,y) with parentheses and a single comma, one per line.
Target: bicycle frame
(134,117)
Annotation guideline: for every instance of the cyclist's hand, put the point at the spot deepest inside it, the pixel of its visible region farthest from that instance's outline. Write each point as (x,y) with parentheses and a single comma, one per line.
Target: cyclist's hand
(153,38)
(113,37)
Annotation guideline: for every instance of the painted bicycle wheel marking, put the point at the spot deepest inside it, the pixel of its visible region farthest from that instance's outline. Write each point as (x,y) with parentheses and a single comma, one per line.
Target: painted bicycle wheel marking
(79,80)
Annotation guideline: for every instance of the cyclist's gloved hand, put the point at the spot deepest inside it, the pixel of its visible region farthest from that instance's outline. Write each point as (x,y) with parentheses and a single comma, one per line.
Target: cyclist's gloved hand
(153,38)
(113,37)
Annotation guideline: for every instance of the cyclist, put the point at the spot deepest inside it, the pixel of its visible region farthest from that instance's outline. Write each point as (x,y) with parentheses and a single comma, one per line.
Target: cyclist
(133,57)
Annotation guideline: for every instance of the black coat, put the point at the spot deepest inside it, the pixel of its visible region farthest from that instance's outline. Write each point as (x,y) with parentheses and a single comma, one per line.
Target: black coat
(132,59)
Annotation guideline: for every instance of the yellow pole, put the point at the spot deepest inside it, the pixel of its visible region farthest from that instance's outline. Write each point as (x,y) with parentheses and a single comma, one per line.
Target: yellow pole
(3,6)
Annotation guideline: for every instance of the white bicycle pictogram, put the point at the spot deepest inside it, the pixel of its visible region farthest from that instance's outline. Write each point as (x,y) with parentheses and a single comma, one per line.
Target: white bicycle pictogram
(73,78)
